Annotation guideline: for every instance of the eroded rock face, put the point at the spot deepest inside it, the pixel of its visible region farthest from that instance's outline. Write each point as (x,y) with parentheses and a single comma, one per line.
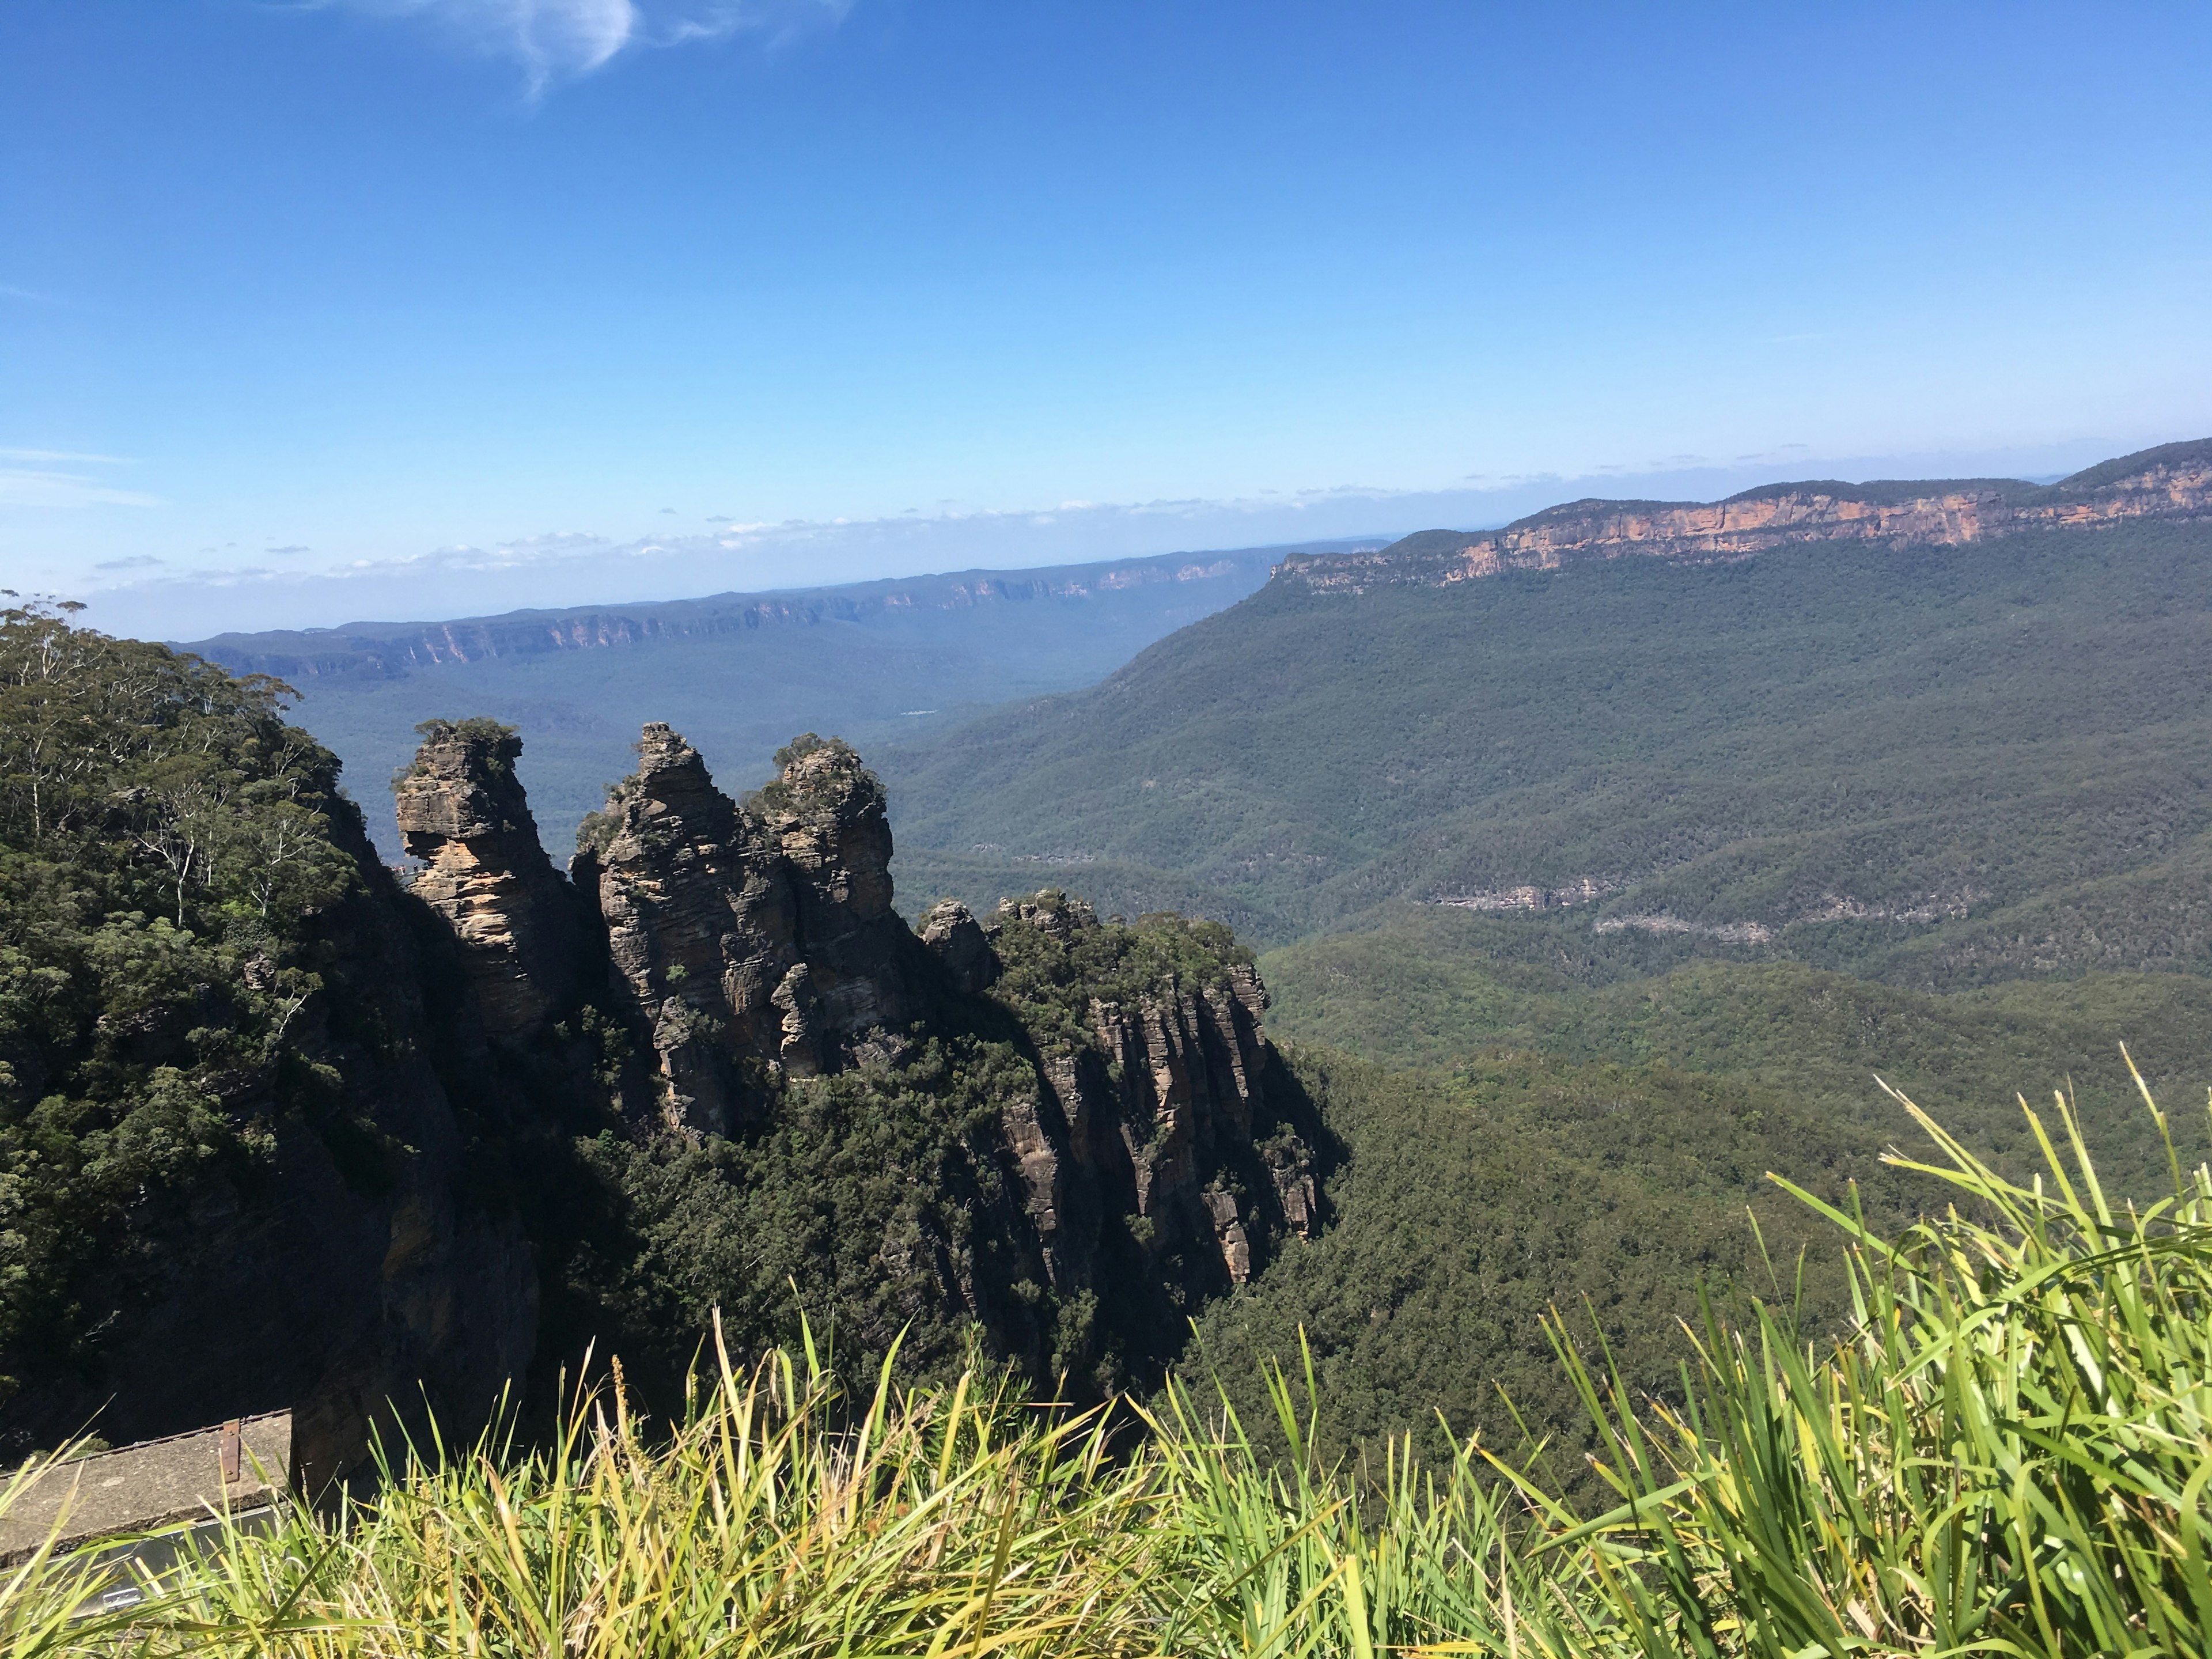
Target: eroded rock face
(463,812)
(824,815)
(1157,1120)
(756,942)
(2174,482)
(1139,1165)
(957,939)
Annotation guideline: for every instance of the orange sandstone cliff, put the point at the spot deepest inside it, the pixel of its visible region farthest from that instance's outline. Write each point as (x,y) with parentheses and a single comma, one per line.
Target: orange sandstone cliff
(2173,481)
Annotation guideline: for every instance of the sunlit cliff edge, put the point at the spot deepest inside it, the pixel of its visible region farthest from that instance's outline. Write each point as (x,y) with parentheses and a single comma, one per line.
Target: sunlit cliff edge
(2172,482)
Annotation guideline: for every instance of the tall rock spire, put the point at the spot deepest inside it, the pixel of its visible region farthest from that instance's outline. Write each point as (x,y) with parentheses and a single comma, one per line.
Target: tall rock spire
(463,813)
(754,941)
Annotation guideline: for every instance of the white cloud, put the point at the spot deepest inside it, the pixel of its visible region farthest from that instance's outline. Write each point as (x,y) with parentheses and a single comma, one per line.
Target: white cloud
(47,477)
(566,568)
(556,41)
(551,40)
(39,456)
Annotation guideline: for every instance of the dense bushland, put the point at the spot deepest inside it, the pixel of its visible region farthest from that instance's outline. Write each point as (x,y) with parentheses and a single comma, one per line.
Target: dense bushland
(166,847)
(256,1149)
(2003,1452)
(1426,987)
(1939,767)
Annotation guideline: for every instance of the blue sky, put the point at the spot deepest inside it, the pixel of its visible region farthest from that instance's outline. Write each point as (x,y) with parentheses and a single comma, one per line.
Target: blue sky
(317,310)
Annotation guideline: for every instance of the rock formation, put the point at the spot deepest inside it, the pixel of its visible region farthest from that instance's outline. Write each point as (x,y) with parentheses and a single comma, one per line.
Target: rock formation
(752,945)
(959,942)
(463,813)
(754,942)
(1147,1122)
(504,1116)
(2174,482)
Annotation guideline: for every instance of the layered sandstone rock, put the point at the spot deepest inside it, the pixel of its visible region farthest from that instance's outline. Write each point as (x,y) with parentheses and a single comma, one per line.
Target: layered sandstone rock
(958,940)
(1138,1164)
(1154,1118)
(463,813)
(754,942)
(2174,482)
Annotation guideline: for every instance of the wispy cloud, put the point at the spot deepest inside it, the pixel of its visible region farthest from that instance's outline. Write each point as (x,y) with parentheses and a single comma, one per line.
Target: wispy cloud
(135,562)
(557,41)
(54,477)
(36,457)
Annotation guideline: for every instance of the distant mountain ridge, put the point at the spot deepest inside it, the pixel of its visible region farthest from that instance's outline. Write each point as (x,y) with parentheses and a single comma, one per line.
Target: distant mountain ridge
(385,650)
(1922,749)
(2173,481)
(737,672)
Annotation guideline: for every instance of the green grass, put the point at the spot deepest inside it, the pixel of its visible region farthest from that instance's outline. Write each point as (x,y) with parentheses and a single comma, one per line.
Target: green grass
(2007,1451)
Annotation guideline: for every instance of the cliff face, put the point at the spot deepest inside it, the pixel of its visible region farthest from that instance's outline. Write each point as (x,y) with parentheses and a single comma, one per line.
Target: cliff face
(404,1147)
(1120,1158)
(462,812)
(389,651)
(2173,481)
(752,943)
(1146,1120)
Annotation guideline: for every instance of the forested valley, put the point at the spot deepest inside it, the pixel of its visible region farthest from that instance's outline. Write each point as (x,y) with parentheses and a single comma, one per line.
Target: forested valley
(1400,1033)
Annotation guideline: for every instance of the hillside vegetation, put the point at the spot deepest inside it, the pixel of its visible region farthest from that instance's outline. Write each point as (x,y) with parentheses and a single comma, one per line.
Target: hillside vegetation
(267,1140)
(1427,988)
(1936,766)
(2005,1454)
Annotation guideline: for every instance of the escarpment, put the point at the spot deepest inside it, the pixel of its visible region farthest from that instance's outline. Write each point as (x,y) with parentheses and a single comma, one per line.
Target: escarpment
(1154,1109)
(2173,481)
(1089,1132)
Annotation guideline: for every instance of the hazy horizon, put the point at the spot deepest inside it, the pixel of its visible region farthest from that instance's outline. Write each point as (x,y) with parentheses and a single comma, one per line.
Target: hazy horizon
(558,570)
(323,309)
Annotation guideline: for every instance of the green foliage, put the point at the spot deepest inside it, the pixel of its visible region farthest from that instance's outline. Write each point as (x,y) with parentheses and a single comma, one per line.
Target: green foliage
(880,1199)
(1472,1202)
(859,1195)
(1424,988)
(1051,976)
(166,842)
(1937,767)
(842,770)
(1569,1141)
(2006,1453)
(491,745)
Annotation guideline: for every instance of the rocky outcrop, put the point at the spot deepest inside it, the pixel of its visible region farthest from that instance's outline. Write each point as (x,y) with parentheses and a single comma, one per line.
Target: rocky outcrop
(463,813)
(956,939)
(1152,1121)
(1139,1164)
(753,942)
(2174,482)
